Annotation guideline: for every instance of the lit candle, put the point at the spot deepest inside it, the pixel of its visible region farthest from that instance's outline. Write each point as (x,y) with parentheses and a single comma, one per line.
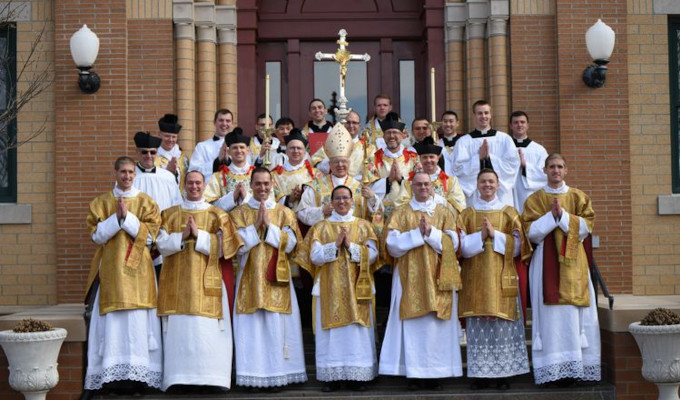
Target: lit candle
(266,100)
(433,102)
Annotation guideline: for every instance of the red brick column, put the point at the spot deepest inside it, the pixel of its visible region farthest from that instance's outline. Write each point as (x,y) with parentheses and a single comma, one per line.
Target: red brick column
(92,130)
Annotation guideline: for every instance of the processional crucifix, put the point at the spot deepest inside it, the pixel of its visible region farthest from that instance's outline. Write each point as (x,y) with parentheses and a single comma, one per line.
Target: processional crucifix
(342,56)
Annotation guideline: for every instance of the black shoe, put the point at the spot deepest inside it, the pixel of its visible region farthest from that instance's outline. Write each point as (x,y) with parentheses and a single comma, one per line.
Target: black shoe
(356,386)
(414,384)
(479,383)
(275,389)
(329,387)
(502,384)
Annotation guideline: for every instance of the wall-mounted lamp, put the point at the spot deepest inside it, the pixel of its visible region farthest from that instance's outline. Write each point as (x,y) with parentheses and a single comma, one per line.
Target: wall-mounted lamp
(84,49)
(600,39)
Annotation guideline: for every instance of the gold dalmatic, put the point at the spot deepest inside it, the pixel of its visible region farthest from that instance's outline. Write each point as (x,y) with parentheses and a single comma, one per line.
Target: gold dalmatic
(428,279)
(182,166)
(285,181)
(127,280)
(255,292)
(346,286)
(490,282)
(572,258)
(225,181)
(191,282)
(322,186)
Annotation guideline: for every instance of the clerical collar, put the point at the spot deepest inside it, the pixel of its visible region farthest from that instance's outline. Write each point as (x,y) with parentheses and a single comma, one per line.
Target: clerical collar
(236,170)
(216,138)
(289,167)
(398,154)
(340,181)
(281,149)
(335,217)
(319,128)
(485,133)
(450,142)
(435,175)
(426,207)
(521,142)
(174,152)
(195,205)
(146,170)
(560,190)
(118,192)
(481,204)
(254,203)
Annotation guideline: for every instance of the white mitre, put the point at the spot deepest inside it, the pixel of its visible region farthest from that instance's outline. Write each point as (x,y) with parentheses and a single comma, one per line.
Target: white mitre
(339,142)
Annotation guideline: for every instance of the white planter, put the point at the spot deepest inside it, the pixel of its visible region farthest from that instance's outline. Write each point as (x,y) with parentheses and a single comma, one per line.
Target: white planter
(660,349)
(32,360)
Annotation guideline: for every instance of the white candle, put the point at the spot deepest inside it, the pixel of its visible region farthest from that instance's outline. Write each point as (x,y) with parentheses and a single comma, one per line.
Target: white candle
(266,101)
(433,102)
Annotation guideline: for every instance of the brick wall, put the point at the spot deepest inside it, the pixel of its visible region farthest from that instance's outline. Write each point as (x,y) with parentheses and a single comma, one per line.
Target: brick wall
(622,366)
(71,374)
(534,87)
(655,249)
(135,65)
(27,261)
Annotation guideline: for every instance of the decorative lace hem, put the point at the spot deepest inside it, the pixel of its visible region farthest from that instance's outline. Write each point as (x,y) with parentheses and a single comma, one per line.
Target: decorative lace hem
(347,373)
(121,372)
(569,369)
(271,381)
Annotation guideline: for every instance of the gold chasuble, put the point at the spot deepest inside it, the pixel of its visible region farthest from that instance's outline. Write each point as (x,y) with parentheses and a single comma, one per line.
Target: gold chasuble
(124,265)
(490,279)
(570,279)
(255,290)
(322,186)
(285,181)
(191,282)
(346,286)
(428,279)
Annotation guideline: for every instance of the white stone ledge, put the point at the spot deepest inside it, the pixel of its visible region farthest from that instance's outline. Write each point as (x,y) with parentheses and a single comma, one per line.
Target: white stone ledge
(666,7)
(630,308)
(11,213)
(669,204)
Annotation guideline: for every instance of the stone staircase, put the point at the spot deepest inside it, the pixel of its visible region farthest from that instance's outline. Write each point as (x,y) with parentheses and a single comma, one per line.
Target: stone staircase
(389,387)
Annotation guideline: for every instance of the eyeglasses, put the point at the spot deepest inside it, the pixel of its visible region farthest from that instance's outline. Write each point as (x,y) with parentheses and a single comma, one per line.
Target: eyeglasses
(342,198)
(352,123)
(145,152)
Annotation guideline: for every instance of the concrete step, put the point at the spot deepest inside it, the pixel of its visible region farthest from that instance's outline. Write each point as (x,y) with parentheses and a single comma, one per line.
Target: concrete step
(395,387)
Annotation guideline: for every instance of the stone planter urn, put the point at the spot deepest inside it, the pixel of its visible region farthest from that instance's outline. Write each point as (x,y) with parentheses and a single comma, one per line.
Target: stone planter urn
(660,348)
(32,358)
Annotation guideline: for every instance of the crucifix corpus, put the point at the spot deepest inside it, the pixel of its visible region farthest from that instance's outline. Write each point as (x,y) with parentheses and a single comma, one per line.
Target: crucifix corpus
(342,56)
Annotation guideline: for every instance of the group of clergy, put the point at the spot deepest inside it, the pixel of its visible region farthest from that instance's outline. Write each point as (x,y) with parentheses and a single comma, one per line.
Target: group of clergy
(454,220)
